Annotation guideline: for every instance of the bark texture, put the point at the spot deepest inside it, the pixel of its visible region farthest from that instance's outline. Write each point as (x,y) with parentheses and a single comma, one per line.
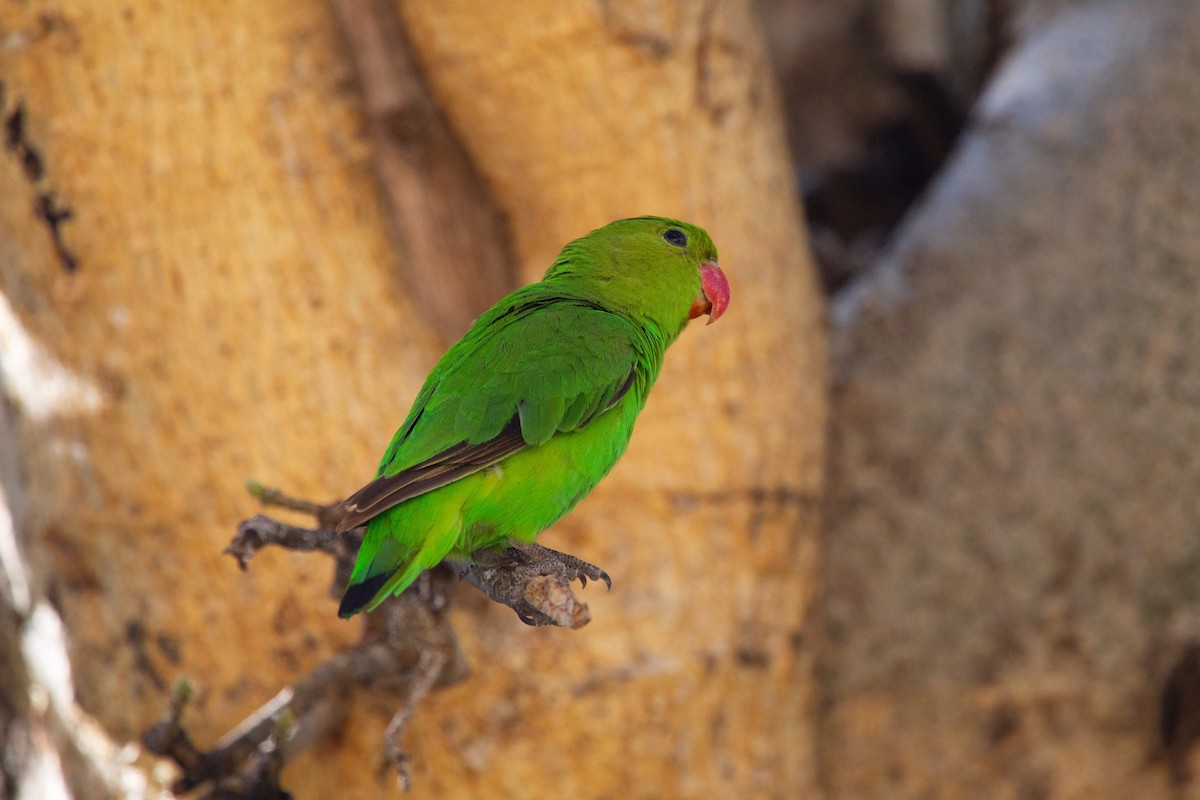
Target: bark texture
(1011,552)
(195,250)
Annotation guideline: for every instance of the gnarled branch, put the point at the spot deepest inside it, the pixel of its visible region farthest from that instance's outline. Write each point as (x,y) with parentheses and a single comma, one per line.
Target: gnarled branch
(408,649)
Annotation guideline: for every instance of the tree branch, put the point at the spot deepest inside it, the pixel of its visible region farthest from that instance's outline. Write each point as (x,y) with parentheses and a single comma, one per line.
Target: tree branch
(407,650)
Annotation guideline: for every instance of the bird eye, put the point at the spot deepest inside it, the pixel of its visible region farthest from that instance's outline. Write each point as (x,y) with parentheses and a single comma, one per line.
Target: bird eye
(676,237)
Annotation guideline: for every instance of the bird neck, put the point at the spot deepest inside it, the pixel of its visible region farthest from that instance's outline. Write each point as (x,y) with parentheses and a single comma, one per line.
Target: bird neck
(661,322)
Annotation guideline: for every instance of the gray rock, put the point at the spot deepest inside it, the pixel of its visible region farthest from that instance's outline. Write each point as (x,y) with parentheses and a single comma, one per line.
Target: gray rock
(1013,546)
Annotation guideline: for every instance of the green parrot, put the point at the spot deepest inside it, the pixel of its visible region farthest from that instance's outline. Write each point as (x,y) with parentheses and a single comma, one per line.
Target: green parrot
(525,414)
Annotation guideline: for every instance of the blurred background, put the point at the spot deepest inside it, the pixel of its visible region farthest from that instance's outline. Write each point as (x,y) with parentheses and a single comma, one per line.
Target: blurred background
(917,519)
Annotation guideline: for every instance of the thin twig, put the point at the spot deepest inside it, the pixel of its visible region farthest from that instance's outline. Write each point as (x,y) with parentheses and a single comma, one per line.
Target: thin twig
(327,515)
(428,669)
(259,531)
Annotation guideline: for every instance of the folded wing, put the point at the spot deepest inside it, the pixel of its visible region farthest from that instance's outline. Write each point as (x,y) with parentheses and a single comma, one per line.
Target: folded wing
(528,369)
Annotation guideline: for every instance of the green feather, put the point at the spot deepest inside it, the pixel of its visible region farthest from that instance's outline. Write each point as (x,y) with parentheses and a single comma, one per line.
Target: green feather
(525,414)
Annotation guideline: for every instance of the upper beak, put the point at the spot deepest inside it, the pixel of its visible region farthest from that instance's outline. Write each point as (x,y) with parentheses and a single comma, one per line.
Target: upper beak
(715,293)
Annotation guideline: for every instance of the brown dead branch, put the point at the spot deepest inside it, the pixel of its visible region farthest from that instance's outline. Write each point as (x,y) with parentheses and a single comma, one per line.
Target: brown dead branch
(407,650)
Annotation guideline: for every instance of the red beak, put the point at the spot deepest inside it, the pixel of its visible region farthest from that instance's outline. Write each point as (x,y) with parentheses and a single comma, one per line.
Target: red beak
(715,293)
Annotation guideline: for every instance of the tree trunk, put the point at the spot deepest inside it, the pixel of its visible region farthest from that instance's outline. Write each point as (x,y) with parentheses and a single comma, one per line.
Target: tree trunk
(1011,586)
(198,287)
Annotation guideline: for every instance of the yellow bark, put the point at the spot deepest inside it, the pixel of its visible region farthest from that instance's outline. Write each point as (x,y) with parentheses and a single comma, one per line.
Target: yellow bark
(234,312)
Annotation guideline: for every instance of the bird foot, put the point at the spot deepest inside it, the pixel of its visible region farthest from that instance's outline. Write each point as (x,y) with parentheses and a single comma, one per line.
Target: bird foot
(569,567)
(535,582)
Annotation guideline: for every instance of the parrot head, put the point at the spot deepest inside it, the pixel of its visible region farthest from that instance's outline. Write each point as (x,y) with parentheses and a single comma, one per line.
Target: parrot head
(656,269)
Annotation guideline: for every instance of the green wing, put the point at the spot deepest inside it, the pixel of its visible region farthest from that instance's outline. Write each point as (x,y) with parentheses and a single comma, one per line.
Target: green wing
(532,366)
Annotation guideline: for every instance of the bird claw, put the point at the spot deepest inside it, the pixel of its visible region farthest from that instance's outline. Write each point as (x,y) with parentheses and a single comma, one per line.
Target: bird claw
(598,575)
(569,567)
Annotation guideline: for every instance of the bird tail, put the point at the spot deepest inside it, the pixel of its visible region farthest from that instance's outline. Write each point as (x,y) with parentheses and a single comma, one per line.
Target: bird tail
(387,568)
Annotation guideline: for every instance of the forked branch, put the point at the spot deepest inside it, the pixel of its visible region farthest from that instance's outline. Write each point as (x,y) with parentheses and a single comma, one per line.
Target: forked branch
(407,650)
